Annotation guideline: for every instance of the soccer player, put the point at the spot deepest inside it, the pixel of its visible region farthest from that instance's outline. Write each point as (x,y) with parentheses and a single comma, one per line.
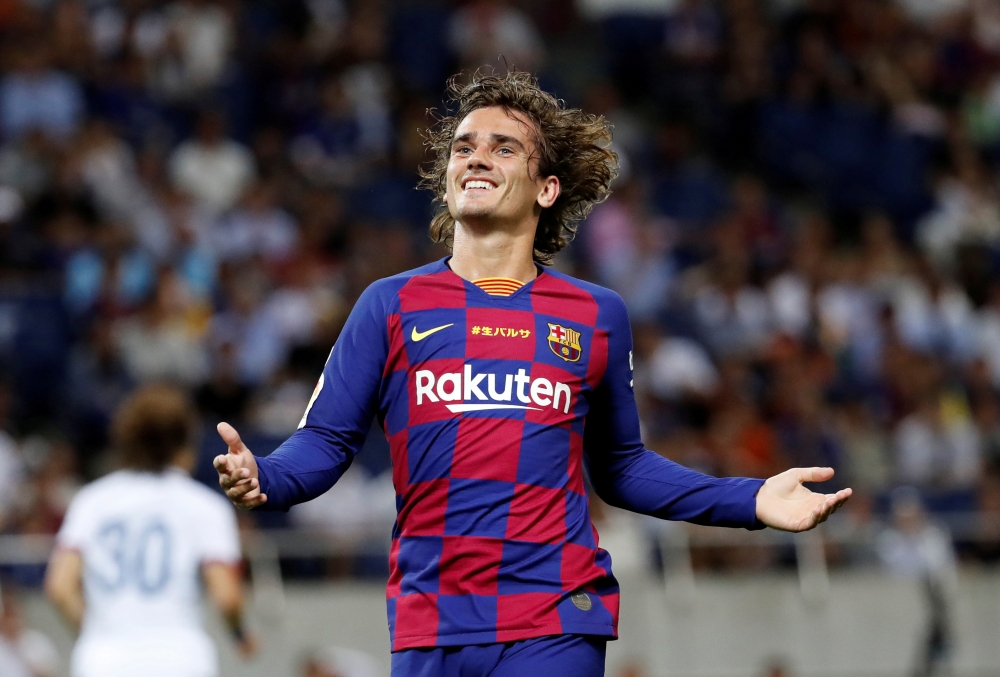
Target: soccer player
(137,545)
(498,382)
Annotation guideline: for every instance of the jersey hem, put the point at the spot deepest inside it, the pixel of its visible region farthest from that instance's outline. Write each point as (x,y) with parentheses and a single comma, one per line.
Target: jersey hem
(509,635)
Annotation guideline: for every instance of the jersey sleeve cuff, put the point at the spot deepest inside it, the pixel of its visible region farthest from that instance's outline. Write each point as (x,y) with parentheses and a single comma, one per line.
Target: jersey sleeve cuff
(268,487)
(753,487)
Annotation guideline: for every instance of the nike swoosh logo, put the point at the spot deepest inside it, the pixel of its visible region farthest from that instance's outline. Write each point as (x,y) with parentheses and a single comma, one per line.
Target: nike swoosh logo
(421,335)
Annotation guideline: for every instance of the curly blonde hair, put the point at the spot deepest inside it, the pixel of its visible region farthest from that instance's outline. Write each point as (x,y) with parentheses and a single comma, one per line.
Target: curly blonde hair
(570,144)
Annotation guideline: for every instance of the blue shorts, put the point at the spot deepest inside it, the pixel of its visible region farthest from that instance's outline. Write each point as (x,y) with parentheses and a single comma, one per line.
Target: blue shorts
(554,656)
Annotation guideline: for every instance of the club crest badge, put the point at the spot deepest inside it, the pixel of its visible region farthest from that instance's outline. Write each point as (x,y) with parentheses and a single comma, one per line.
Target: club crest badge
(565,342)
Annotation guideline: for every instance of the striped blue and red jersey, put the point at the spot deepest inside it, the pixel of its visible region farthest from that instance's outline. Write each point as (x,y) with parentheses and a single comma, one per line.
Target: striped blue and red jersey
(494,408)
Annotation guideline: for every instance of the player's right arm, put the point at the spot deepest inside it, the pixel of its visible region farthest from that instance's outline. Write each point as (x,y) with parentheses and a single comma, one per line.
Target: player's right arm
(217,540)
(64,574)
(333,428)
(64,585)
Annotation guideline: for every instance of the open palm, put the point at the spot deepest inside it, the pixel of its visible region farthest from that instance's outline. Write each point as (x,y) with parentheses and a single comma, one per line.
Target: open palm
(783,503)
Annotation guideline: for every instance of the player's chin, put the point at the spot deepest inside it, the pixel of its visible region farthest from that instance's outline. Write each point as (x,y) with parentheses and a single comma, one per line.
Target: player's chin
(472,213)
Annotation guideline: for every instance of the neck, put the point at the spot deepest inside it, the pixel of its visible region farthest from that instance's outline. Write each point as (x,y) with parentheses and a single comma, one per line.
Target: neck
(493,253)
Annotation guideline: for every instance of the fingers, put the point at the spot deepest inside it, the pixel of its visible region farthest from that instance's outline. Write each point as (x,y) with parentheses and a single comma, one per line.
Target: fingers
(245,492)
(229,474)
(230,437)
(222,464)
(831,505)
(251,503)
(238,484)
(813,474)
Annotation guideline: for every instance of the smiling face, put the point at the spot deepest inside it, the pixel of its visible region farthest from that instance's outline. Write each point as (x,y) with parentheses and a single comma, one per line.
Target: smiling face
(493,172)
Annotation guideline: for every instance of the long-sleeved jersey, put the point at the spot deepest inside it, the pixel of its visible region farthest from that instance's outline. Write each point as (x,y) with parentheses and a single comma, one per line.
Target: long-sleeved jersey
(492,407)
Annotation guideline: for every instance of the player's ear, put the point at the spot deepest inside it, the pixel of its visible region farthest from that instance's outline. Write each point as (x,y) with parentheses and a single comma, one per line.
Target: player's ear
(549,193)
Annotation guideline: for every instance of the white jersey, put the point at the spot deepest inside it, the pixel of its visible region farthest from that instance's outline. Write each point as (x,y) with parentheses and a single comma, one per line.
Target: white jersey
(143,538)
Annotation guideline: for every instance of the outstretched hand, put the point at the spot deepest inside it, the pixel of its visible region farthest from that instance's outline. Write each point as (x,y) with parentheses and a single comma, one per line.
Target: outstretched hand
(238,471)
(783,503)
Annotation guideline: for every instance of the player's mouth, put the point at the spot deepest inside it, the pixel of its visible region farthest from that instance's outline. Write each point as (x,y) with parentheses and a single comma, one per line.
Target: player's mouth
(477,183)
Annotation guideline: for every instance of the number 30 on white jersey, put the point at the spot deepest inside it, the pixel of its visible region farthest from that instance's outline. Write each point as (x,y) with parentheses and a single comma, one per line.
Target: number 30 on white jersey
(143,538)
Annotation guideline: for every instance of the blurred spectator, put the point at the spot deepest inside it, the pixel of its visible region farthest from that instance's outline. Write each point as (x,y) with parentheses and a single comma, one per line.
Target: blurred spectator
(867,451)
(257,229)
(36,96)
(681,367)
(328,149)
(365,506)
(259,343)
(26,164)
(495,34)
(213,169)
(929,12)
(630,251)
(223,397)
(967,210)
(938,446)
(596,9)
(97,382)
(694,32)
(159,343)
(11,465)
(917,549)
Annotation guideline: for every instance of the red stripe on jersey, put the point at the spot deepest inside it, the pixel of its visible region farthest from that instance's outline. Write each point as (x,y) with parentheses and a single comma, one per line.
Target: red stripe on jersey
(575,469)
(431,292)
(577,567)
(419,612)
(535,610)
(397,359)
(423,508)
(487,449)
(537,515)
(598,363)
(398,450)
(469,565)
(612,602)
(394,587)
(558,298)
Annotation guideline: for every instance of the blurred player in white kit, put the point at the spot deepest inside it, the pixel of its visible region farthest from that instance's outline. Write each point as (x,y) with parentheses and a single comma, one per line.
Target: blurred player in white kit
(136,547)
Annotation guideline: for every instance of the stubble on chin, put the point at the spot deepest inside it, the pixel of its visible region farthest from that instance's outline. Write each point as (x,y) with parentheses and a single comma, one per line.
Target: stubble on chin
(471,209)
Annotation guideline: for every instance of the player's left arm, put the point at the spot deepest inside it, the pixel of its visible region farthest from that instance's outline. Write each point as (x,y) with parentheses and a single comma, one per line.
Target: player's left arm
(64,585)
(218,542)
(225,588)
(627,475)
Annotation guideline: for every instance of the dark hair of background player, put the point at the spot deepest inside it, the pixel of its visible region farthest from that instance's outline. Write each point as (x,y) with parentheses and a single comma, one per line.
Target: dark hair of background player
(152,427)
(571,144)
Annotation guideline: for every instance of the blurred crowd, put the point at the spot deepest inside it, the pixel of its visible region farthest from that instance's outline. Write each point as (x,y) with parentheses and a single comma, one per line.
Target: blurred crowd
(806,229)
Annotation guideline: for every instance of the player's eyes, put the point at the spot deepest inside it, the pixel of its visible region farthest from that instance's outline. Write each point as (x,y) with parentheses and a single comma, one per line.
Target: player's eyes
(462,150)
(506,151)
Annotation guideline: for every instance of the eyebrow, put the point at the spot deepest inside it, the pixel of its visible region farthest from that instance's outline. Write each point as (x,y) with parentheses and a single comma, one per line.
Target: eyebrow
(469,137)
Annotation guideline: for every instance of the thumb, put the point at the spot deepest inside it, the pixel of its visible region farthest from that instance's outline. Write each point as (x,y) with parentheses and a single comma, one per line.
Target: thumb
(231,438)
(814,474)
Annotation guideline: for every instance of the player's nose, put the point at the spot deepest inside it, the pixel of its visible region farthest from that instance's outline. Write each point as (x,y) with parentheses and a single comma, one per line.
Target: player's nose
(480,159)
